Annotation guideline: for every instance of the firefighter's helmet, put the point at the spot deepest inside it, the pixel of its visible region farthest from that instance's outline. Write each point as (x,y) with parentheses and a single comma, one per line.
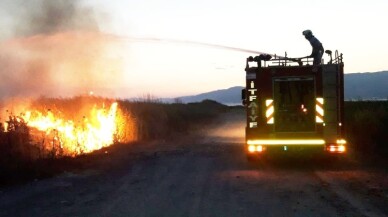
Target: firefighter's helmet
(307,32)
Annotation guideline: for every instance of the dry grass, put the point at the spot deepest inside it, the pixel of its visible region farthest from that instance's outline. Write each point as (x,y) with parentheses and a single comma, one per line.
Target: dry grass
(22,158)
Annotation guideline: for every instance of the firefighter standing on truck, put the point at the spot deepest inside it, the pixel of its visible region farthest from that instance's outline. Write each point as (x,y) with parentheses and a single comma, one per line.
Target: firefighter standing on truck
(316,45)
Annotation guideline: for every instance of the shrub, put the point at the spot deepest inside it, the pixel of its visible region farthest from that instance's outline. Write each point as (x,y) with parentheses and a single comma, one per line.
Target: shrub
(367,125)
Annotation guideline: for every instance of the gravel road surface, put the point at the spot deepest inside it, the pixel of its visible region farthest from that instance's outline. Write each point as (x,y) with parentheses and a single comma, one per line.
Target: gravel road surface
(202,177)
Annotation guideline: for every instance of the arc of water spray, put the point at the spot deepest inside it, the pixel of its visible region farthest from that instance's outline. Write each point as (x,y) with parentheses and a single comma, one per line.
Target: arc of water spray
(175,41)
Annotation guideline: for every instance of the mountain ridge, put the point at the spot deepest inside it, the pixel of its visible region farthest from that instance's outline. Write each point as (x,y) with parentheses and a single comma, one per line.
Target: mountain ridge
(358,86)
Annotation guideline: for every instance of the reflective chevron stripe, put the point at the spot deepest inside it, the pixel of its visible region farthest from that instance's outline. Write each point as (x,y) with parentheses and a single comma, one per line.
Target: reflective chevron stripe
(319,112)
(269,111)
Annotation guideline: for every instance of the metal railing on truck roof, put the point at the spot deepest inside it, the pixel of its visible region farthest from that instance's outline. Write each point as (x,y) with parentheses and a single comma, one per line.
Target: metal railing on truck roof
(287,61)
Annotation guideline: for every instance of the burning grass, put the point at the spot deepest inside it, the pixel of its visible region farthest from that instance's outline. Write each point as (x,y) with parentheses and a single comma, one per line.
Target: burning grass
(53,128)
(37,134)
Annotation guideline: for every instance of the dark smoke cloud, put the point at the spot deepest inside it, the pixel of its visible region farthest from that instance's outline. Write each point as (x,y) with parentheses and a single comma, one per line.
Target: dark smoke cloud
(56,50)
(50,16)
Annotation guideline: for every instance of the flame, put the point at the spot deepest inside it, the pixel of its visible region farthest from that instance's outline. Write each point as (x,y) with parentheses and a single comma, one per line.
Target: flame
(95,131)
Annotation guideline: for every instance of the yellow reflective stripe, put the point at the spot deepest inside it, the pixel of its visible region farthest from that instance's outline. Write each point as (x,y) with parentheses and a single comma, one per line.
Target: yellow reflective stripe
(270,111)
(320,100)
(286,142)
(268,102)
(318,119)
(319,112)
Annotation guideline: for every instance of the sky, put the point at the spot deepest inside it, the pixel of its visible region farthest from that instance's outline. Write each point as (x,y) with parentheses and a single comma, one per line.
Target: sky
(167,69)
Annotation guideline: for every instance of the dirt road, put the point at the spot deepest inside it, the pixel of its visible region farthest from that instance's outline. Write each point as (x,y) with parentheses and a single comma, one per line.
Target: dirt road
(206,177)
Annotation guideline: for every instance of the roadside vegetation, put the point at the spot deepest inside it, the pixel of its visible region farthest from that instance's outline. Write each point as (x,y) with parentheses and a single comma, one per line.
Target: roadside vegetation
(155,120)
(366,129)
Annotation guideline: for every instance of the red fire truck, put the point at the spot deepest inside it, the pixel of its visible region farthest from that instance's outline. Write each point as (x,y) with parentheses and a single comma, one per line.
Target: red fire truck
(292,105)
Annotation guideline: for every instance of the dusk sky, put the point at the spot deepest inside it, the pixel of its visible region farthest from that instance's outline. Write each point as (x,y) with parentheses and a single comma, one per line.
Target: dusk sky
(167,69)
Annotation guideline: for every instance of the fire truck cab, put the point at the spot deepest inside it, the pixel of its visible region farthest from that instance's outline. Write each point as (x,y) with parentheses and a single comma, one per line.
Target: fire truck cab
(292,105)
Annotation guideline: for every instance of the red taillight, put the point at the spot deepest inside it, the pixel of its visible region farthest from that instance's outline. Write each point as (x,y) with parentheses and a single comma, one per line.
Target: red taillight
(255,148)
(336,148)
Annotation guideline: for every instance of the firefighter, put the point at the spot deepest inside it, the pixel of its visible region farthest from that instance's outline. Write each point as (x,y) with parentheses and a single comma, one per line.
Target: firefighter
(316,45)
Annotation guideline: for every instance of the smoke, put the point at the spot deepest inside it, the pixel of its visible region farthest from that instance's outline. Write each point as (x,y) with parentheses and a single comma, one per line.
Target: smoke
(48,16)
(56,50)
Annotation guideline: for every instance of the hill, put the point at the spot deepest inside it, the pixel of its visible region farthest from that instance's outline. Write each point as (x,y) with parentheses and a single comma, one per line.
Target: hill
(365,86)
(229,96)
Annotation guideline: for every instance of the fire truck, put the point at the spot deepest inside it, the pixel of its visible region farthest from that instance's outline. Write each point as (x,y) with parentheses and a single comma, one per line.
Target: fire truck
(292,105)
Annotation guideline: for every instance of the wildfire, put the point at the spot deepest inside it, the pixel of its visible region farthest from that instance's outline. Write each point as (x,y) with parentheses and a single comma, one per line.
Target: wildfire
(98,129)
